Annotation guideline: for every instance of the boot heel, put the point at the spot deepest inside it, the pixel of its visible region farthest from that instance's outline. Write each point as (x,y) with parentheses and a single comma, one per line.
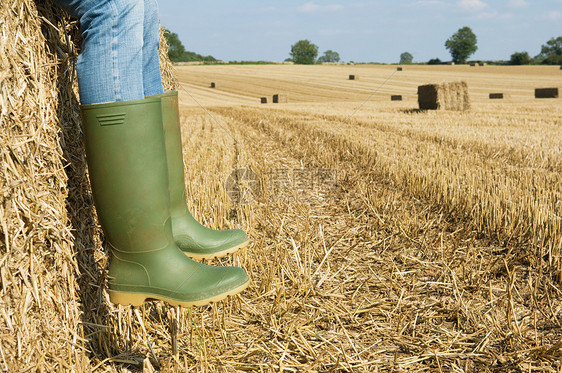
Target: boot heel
(125,299)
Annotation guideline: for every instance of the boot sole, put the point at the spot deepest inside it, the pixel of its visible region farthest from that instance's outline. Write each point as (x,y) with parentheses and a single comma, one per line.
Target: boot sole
(219,254)
(138,299)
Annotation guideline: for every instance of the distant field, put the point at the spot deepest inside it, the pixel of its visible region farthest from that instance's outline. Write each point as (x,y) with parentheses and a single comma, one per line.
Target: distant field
(327,83)
(435,244)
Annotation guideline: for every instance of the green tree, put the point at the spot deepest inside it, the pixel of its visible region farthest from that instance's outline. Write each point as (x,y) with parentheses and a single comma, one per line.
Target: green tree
(177,52)
(303,52)
(551,52)
(406,58)
(462,44)
(520,58)
(434,61)
(330,56)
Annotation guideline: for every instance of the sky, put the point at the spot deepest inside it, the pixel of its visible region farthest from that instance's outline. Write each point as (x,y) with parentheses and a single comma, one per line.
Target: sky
(360,30)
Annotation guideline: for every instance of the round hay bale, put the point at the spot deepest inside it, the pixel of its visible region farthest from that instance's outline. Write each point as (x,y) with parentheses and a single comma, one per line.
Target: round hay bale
(52,264)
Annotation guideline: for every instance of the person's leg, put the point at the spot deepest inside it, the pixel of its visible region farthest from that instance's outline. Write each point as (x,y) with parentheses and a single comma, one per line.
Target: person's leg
(126,157)
(110,65)
(152,77)
(195,240)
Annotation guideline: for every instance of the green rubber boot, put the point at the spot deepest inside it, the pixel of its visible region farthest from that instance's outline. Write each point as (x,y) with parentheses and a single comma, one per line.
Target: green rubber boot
(194,239)
(126,158)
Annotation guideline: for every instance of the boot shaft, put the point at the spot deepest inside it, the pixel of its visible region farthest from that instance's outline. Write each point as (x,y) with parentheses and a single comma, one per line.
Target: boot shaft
(174,151)
(126,158)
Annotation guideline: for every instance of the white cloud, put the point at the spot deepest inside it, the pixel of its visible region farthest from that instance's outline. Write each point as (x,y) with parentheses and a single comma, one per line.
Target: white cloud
(472,5)
(312,7)
(518,3)
(428,2)
(553,15)
(488,15)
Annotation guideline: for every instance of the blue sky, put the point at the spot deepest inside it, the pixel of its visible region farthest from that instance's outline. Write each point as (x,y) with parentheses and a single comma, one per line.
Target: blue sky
(360,31)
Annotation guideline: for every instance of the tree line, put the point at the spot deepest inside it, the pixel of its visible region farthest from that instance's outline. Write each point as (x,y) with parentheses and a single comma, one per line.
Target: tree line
(461,45)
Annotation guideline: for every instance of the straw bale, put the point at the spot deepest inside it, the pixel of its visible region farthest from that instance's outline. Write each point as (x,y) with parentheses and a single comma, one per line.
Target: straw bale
(213,85)
(264,100)
(353,77)
(396,98)
(445,96)
(399,68)
(278,98)
(52,266)
(546,92)
(495,96)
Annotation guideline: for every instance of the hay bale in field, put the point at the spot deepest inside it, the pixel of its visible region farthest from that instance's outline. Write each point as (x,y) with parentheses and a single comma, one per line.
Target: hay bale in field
(482,64)
(264,100)
(353,77)
(396,98)
(546,92)
(445,96)
(451,63)
(473,64)
(52,269)
(399,68)
(213,85)
(496,96)
(277,98)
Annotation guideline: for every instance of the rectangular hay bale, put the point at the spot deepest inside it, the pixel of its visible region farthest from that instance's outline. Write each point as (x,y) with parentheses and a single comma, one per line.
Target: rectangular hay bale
(495,96)
(213,85)
(264,100)
(353,77)
(278,98)
(445,96)
(546,92)
(396,98)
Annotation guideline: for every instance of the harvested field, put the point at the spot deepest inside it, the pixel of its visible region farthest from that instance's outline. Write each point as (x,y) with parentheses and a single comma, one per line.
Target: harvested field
(437,249)
(390,239)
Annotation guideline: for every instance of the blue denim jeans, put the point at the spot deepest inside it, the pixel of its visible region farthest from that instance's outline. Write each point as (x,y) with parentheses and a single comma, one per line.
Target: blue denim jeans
(119,58)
